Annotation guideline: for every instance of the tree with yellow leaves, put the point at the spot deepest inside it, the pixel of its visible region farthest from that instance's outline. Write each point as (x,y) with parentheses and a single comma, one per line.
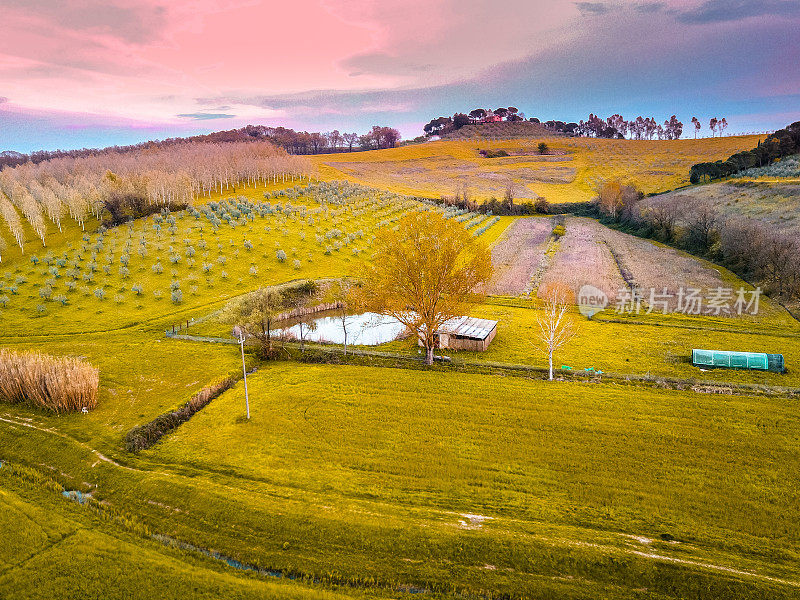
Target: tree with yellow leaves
(424,273)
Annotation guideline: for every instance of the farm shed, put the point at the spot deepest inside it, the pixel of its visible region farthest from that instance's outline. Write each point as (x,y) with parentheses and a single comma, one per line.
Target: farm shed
(466,333)
(738,360)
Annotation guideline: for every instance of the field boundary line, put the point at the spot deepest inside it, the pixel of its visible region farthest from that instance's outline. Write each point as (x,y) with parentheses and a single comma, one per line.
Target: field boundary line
(522,370)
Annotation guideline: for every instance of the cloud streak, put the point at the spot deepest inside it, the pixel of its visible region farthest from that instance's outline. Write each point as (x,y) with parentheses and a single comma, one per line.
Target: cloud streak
(719,11)
(201,64)
(205,116)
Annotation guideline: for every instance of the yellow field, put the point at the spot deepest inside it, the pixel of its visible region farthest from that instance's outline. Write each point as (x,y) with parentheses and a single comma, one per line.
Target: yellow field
(569,173)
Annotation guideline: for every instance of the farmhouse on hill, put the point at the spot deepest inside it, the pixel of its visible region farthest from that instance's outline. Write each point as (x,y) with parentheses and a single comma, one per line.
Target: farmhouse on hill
(466,333)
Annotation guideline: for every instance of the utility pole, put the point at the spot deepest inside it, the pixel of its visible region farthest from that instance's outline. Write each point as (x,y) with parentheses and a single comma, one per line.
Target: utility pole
(237,331)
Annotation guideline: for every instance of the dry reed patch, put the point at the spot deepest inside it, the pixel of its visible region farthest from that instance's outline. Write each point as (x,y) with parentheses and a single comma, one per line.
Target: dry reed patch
(518,253)
(583,259)
(59,384)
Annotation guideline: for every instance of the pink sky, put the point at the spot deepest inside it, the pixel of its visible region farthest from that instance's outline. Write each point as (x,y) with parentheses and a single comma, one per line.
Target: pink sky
(183,64)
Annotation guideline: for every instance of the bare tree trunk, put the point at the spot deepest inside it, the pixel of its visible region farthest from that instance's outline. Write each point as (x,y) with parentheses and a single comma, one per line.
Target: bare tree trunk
(429,355)
(550,359)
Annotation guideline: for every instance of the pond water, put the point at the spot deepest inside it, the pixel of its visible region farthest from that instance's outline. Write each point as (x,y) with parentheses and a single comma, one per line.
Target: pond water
(366,329)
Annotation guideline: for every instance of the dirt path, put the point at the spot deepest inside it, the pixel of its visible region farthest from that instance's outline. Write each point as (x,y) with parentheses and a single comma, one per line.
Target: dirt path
(518,254)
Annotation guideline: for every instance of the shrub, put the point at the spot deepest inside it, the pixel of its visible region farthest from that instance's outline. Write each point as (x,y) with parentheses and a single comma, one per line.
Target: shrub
(61,299)
(157,268)
(253,270)
(4,300)
(137,289)
(56,384)
(281,256)
(177,296)
(45,292)
(297,264)
(100,293)
(145,436)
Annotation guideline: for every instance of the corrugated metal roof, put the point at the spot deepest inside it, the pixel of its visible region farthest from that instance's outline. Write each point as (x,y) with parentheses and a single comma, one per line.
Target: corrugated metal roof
(470,327)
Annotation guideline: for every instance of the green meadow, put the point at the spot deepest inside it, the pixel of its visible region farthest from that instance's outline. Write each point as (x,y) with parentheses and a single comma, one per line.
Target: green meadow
(379,478)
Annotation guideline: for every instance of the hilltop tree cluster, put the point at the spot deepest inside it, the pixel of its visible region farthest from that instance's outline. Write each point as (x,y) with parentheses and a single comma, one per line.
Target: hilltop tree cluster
(444,125)
(753,250)
(133,183)
(783,142)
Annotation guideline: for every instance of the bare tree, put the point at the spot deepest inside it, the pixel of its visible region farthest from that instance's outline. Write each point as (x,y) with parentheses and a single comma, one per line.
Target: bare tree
(343,294)
(663,215)
(555,328)
(351,139)
(305,325)
(701,221)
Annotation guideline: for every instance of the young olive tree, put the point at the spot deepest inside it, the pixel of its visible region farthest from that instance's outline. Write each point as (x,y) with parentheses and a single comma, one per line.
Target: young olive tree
(424,273)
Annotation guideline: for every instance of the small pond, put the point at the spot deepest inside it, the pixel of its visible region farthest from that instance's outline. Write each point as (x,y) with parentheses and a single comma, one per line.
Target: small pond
(366,329)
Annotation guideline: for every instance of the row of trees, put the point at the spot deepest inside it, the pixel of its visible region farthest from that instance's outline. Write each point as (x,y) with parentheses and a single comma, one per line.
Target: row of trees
(753,250)
(153,177)
(302,142)
(783,142)
(294,142)
(640,128)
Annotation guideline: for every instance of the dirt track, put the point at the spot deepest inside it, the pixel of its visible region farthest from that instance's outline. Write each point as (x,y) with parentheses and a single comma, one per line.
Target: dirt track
(518,253)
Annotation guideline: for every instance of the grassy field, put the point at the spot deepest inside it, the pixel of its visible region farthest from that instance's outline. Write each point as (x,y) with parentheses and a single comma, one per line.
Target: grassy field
(365,481)
(56,549)
(569,173)
(452,482)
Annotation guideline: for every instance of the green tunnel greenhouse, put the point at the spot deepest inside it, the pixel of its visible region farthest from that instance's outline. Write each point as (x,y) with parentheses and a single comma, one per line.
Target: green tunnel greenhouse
(759,361)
